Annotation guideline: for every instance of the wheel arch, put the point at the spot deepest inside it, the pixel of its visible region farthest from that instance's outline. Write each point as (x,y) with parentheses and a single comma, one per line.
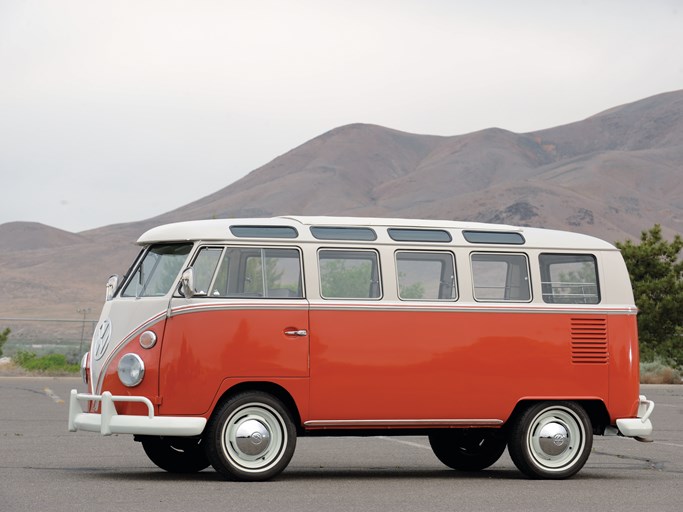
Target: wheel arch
(594,407)
(270,388)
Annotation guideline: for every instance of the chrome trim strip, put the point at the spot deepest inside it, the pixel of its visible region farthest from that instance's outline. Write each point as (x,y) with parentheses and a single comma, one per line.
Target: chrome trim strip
(401,423)
(429,308)
(625,310)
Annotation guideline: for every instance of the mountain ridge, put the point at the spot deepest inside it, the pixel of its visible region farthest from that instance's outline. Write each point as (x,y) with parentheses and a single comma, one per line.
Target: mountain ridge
(610,175)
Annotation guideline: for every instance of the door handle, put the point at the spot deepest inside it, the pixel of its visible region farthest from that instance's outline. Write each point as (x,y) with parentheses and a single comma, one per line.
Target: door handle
(295,332)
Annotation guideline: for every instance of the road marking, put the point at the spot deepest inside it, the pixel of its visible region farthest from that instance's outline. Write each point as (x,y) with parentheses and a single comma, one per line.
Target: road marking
(53,395)
(669,444)
(408,443)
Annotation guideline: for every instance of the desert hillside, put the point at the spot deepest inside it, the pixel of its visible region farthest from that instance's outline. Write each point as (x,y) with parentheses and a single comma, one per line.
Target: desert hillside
(611,175)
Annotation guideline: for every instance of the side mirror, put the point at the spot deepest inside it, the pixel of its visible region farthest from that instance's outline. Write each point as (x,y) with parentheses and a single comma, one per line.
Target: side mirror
(112,286)
(187,283)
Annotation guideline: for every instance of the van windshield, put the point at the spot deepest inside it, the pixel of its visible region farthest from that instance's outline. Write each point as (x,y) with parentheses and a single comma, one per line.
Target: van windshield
(158,270)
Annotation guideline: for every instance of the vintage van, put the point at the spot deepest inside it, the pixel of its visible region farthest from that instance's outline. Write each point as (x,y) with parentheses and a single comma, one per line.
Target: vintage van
(228,339)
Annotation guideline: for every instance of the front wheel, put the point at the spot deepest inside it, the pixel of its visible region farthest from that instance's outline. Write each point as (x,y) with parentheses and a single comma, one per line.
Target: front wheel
(468,449)
(551,440)
(250,437)
(176,454)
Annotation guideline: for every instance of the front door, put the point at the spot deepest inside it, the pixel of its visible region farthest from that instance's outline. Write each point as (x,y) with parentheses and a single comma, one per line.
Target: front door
(248,320)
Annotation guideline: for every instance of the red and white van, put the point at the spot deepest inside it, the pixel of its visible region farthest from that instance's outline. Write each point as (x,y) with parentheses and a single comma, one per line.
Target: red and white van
(228,339)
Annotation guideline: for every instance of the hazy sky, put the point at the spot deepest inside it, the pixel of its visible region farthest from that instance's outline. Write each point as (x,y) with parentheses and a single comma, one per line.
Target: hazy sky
(115,111)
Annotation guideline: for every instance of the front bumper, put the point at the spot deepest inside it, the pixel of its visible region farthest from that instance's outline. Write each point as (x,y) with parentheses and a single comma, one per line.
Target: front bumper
(640,426)
(110,422)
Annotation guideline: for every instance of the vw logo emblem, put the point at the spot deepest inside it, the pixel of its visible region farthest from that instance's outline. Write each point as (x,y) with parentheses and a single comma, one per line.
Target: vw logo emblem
(101,339)
(559,439)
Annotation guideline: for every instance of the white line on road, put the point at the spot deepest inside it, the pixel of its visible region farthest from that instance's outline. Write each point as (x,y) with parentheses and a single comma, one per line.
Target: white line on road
(408,443)
(53,395)
(669,444)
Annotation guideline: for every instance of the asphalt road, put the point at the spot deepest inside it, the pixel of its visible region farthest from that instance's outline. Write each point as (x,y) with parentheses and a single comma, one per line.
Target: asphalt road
(45,468)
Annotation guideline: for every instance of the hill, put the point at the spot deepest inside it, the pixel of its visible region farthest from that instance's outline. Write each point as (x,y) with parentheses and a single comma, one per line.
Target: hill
(611,175)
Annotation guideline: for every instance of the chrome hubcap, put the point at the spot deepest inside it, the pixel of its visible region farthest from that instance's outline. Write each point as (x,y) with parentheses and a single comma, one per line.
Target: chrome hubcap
(252,437)
(553,438)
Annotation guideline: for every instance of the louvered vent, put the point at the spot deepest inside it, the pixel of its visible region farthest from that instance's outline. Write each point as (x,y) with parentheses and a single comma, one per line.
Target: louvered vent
(589,340)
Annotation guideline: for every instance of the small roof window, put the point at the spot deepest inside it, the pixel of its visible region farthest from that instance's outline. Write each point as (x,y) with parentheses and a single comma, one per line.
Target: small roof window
(494,237)
(343,233)
(264,231)
(419,235)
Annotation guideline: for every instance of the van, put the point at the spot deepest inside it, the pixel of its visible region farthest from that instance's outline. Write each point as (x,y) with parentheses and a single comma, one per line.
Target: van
(229,339)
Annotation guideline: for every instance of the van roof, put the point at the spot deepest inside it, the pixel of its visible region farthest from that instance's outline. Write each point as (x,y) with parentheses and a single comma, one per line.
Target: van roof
(219,230)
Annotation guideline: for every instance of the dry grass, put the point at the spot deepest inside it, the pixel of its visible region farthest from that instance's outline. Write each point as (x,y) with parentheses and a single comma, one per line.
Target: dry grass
(8,368)
(657,372)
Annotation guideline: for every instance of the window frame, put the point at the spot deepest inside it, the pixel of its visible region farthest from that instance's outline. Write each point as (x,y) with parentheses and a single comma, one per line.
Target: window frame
(544,270)
(137,265)
(506,287)
(455,289)
(489,237)
(263,231)
(420,235)
(378,267)
(261,250)
(344,233)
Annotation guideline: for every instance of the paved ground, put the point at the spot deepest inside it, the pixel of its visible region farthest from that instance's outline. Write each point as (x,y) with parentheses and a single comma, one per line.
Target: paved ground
(45,468)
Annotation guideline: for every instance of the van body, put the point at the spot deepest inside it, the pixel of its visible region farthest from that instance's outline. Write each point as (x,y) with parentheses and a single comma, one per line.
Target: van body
(228,339)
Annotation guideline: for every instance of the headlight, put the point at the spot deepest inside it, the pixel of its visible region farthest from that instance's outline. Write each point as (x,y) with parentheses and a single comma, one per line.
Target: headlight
(84,367)
(131,370)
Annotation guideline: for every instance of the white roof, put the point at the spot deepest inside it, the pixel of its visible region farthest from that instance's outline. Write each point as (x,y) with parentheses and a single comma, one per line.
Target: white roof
(219,230)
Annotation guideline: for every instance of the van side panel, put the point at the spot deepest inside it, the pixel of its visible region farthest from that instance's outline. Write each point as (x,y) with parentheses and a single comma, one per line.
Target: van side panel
(209,343)
(448,364)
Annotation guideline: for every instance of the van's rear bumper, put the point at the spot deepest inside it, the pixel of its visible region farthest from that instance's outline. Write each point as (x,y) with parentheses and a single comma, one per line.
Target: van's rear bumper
(640,426)
(109,422)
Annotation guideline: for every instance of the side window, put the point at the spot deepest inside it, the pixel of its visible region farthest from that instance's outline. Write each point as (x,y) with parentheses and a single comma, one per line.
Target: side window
(249,272)
(500,277)
(204,267)
(426,275)
(282,273)
(349,274)
(569,279)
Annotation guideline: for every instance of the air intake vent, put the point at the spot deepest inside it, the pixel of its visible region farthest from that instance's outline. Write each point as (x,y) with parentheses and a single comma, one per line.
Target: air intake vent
(589,340)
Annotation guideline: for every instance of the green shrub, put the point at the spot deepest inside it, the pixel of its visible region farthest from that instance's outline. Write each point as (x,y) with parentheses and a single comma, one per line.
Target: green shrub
(656,272)
(48,363)
(3,338)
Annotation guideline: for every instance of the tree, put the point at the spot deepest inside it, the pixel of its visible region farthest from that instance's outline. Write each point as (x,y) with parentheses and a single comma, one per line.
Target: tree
(3,338)
(657,278)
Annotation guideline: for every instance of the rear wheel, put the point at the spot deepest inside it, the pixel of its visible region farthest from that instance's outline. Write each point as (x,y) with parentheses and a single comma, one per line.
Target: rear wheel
(468,449)
(250,437)
(551,440)
(176,454)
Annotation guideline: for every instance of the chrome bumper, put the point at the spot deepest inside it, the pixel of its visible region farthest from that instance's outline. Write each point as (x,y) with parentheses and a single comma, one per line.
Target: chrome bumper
(640,426)
(110,422)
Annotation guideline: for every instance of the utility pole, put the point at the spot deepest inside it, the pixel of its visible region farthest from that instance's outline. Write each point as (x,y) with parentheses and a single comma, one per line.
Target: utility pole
(85,311)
